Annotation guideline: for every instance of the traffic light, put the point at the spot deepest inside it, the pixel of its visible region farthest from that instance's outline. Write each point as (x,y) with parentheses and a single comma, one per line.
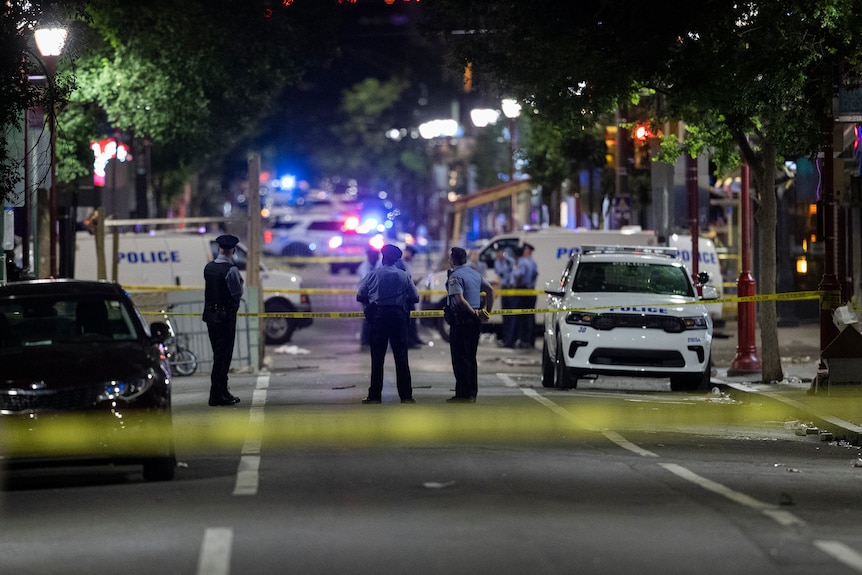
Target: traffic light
(611,145)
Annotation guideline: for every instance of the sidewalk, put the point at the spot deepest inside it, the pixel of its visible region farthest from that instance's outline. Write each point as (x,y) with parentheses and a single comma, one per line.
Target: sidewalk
(836,415)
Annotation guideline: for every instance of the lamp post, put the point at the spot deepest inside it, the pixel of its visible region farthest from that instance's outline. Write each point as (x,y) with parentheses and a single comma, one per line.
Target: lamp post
(50,42)
(511,109)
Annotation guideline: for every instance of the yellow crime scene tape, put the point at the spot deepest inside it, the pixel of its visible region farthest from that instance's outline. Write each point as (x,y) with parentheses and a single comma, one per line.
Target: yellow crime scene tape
(786,296)
(204,430)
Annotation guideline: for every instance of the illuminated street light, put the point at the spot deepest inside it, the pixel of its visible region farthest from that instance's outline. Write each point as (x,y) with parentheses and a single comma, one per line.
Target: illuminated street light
(511,109)
(482,117)
(50,42)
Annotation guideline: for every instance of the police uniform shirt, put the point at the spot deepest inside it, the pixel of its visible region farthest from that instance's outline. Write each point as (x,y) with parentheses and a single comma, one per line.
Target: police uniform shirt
(503,268)
(388,286)
(467,281)
(233,278)
(526,272)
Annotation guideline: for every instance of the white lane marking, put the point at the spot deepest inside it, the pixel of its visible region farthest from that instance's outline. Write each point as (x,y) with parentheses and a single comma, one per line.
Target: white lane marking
(842,553)
(773,512)
(247,475)
(626,444)
(611,435)
(214,558)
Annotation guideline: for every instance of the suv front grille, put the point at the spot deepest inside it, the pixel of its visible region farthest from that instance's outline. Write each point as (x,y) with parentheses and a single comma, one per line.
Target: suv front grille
(608,321)
(24,400)
(637,357)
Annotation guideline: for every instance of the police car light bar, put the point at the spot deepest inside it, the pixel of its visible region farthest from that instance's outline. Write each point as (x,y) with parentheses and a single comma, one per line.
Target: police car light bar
(655,250)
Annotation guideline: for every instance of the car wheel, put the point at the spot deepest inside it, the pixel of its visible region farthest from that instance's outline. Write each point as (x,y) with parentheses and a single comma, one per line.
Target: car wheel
(278,330)
(160,468)
(564,376)
(184,362)
(693,382)
(296,250)
(548,367)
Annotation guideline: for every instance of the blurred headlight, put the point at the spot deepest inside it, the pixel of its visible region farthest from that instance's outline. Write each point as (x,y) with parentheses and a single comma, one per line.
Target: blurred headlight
(580,318)
(127,389)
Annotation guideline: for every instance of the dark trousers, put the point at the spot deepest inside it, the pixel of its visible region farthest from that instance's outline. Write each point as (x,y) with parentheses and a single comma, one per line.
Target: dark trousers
(222,335)
(526,330)
(510,322)
(388,327)
(463,345)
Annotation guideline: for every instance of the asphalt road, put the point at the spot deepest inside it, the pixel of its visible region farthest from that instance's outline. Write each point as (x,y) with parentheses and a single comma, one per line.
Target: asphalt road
(618,476)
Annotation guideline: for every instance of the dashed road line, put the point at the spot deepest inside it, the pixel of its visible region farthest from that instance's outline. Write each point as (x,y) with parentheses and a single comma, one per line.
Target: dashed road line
(247,475)
(841,553)
(214,558)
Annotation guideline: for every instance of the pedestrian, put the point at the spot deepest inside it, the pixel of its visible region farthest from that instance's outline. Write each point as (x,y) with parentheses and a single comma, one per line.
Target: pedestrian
(475,263)
(372,262)
(222,294)
(504,265)
(525,274)
(387,292)
(413,338)
(465,315)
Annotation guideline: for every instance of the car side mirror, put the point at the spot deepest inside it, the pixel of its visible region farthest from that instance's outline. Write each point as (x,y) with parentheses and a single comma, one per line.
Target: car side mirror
(554,289)
(709,292)
(159,331)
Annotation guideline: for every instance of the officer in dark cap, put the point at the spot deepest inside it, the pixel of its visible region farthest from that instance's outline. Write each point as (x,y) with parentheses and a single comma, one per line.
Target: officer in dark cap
(388,292)
(464,287)
(222,294)
(525,273)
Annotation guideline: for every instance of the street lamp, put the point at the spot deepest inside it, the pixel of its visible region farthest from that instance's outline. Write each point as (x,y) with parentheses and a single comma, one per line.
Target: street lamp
(511,109)
(50,42)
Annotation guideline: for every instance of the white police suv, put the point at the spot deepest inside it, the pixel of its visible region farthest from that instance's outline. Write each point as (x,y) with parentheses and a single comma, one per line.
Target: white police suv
(627,310)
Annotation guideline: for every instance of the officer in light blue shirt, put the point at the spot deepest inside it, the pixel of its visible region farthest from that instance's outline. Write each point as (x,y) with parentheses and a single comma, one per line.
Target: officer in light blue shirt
(388,292)
(525,274)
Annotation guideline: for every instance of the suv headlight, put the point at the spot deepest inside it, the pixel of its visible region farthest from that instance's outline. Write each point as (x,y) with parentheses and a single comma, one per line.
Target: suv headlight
(127,389)
(695,322)
(581,318)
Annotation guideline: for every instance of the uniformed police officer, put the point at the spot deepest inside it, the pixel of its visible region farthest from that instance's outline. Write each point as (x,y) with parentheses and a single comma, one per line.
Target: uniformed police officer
(525,274)
(504,265)
(464,289)
(222,294)
(388,292)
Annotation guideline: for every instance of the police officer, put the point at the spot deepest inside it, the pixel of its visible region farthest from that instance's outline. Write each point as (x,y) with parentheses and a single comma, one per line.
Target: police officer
(464,289)
(504,265)
(525,274)
(388,292)
(222,294)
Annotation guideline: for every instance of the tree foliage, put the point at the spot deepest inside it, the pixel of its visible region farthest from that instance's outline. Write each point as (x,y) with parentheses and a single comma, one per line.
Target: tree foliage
(193,78)
(19,60)
(757,75)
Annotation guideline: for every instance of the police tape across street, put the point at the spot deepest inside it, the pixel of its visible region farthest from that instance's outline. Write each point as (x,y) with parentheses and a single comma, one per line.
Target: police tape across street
(787,296)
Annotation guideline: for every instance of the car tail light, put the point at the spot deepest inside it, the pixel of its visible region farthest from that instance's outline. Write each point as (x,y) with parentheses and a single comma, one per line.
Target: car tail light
(267,237)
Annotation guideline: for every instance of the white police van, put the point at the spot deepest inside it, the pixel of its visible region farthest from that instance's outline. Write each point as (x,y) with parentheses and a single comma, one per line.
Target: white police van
(178,259)
(552,249)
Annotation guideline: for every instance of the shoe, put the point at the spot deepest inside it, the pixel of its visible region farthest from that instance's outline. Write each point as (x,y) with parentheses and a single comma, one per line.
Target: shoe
(371,400)
(223,402)
(233,398)
(408,400)
(457,399)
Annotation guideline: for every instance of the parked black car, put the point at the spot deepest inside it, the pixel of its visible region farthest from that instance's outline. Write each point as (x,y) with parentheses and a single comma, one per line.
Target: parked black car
(83,378)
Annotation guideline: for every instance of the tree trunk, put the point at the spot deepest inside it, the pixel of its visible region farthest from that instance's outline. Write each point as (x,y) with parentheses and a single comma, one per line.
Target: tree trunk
(767,218)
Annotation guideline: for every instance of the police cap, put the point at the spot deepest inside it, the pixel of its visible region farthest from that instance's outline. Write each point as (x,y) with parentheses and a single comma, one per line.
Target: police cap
(227,241)
(391,253)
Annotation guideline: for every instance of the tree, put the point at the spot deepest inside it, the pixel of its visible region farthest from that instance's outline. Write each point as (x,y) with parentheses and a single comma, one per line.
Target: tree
(194,79)
(757,75)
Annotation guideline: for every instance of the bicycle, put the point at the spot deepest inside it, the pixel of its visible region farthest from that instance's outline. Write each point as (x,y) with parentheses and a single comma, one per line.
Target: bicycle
(182,360)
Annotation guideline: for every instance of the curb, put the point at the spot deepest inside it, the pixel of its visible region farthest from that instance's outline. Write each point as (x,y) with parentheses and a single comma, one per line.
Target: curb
(838,428)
